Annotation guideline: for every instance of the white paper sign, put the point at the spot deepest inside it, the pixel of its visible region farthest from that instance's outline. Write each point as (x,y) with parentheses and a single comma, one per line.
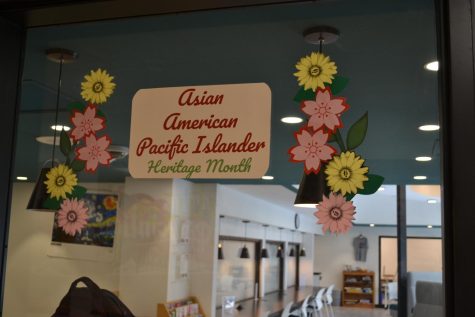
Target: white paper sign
(220,131)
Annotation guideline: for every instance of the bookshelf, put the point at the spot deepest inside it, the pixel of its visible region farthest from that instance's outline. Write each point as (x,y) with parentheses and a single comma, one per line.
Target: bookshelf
(358,289)
(187,307)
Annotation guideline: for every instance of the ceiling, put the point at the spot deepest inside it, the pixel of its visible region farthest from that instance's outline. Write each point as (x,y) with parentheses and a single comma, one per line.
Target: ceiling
(382,49)
(379,208)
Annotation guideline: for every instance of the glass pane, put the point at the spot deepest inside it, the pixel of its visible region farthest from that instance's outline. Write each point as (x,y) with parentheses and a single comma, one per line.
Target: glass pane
(154,243)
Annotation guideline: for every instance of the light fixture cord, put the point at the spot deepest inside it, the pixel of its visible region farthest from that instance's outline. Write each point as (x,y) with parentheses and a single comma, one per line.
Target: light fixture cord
(61,61)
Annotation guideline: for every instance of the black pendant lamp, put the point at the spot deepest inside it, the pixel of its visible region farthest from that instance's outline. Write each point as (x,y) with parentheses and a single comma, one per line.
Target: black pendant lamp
(313,186)
(292,251)
(220,252)
(220,245)
(264,253)
(311,189)
(302,251)
(39,195)
(280,254)
(245,251)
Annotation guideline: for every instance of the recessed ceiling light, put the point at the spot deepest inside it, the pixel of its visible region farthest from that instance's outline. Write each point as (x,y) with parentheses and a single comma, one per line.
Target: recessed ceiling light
(381,189)
(371,224)
(60,127)
(429,226)
(420,178)
(432,66)
(267,177)
(423,158)
(432,201)
(22,178)
(429,127)
(291,120)
(306,205)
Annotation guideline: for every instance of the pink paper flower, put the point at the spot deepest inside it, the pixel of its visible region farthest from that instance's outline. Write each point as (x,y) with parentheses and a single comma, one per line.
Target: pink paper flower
(86,123)
(95,152)
(325,110)
(312,149)
(335,213)
(72,217)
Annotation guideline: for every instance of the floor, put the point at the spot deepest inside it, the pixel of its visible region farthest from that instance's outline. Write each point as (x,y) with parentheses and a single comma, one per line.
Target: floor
(359,312)
(272,304)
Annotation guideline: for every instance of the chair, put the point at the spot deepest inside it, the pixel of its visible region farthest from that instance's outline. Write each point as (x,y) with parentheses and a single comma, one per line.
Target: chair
(390,296)
(286,311)
(328,300)
(302,310)
(316,305)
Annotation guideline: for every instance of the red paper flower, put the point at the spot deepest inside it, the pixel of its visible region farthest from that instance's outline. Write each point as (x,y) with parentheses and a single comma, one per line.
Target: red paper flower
(95,152)
(325,110)
(335,214)
(312,149)
(72,217)
(86,123)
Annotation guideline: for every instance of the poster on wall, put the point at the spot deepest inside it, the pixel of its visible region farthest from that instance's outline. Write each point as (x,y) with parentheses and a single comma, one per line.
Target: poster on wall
(95,237)
(219,131)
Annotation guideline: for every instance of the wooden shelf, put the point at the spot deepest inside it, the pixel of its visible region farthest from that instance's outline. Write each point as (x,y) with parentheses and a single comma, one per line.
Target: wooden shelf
(360,280)
(166,309)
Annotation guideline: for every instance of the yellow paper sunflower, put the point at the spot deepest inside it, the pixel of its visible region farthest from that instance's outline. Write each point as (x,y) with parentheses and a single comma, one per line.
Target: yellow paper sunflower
(97,87)
(314,71)
(345,173)
(61,180)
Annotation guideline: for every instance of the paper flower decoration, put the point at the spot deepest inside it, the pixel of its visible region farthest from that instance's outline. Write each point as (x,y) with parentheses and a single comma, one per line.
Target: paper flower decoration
(324,110)
(72,217)
(86,123)
(60,181)
(345,173)
(335,214)
(97,87)
(95,152)
(315,70)
(312,149)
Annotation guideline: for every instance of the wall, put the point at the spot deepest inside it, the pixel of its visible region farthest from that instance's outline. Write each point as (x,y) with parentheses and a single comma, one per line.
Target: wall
(204,240)
(144,262)
(35,282)
(333,252)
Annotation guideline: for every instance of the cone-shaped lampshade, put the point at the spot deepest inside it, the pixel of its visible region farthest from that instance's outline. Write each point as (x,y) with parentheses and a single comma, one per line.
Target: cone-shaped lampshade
(264,253)
(39,195)
(244,253)
(220,252)
(279,252)
(292,252)
(302,252)
(312,188)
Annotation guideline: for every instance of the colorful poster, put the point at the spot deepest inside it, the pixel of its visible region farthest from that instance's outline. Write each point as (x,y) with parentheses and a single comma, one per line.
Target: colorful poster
(219,131)
(101,220)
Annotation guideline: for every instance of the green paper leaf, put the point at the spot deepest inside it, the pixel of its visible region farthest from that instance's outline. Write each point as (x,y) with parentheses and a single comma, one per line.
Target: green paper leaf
(371,185)
(303,94)
(338,84)
(52,203)
(78,192)
(349,196)
(331,138)
(64,143)
(357,133)
(78,165)
(79,106)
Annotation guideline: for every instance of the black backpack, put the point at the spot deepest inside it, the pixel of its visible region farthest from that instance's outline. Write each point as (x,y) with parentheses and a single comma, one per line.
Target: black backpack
(90,301)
